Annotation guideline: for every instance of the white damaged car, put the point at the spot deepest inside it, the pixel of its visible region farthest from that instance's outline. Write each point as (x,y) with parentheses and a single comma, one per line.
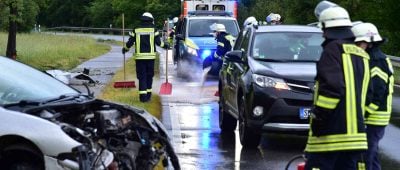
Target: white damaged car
(46,124)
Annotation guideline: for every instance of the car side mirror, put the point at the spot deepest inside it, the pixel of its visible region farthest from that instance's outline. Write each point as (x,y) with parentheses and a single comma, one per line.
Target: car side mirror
(179,37)
(234,56)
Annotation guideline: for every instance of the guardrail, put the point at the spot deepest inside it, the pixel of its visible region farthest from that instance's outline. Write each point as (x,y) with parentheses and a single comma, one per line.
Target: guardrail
(395,60)
(115,31)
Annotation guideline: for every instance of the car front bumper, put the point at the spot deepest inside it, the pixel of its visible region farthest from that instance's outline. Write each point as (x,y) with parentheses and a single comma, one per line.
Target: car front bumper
(281,110)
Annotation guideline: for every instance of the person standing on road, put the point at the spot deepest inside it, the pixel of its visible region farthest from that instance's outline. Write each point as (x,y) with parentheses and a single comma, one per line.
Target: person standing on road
(378,110)
(172,30)
(225,42)
(337,135)
(145,37)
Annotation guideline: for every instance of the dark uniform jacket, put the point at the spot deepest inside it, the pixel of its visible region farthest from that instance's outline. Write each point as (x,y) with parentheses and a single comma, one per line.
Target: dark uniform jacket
(225,43)
(145,37)
(382,82)
(339,99)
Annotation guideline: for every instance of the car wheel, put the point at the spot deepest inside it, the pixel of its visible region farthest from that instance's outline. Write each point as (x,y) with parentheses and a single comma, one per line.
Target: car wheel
(248,138)
(227,123)
(21,157)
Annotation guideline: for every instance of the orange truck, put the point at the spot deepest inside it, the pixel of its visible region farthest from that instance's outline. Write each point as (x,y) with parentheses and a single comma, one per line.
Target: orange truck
(230,6)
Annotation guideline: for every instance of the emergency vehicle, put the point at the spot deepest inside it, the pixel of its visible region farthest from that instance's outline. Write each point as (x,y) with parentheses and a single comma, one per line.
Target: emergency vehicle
(210,5)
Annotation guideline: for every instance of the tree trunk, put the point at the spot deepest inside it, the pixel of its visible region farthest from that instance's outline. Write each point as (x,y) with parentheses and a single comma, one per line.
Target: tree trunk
(12,32)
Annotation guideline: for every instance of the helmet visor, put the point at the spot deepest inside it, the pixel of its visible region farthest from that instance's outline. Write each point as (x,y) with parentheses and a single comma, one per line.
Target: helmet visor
(322,6)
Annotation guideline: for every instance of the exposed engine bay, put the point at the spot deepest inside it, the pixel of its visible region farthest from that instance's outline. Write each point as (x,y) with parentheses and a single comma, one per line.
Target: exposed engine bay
(133,138)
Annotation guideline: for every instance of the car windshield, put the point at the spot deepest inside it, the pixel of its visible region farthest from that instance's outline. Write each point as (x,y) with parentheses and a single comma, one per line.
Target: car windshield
(287,46)
(20,82)
(201,27)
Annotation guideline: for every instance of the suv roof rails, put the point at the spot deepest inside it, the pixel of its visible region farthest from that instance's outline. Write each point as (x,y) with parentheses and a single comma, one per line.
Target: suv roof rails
(208,13)
(314,24)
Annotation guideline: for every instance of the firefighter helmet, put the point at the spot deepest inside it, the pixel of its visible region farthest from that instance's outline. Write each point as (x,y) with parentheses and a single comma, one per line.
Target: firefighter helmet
(175,19)
(334,17)
(366,32)
(273,18)
(220,28)
(148,14)
(250,21)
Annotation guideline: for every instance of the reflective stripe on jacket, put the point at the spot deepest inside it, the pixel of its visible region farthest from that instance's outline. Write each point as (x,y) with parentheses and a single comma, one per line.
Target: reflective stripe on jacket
(225,43)
(382,82)
(339,99)
(145,38)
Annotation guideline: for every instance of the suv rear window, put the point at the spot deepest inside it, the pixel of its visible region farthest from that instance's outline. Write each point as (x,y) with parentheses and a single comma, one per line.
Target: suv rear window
(201,27)
(288,46)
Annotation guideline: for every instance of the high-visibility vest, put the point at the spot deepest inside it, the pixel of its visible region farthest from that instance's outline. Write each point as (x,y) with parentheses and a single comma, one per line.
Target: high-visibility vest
(144,44)
(346,66)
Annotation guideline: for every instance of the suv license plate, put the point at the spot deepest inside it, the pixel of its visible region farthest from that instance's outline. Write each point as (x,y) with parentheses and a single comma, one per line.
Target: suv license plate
(304,113)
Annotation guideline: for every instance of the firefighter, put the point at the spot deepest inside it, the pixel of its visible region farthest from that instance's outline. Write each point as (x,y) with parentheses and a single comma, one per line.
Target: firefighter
(274,19)
(337,135)
(172,36)
(249,22)
(145,37)
(172,30)
(378,110)
(225,42)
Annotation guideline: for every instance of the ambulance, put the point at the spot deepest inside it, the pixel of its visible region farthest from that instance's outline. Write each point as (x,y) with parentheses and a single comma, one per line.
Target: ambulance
(230,6)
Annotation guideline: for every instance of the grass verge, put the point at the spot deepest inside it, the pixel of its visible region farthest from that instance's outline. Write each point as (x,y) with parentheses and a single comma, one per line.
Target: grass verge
(46,51)
(130,96)
(396,75)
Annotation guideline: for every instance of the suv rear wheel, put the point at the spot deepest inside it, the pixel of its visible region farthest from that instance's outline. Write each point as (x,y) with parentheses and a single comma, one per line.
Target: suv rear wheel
(248,138)
(227,123)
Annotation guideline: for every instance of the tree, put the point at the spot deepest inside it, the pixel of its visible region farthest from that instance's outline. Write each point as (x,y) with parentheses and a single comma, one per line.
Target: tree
(13,6)
(101,13)
(65,12)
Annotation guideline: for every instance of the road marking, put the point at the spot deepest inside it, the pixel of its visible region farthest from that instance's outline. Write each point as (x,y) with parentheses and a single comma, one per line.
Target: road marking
(175,128)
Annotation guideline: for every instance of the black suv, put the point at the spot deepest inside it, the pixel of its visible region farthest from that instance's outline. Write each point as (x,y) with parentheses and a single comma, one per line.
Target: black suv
(267,81)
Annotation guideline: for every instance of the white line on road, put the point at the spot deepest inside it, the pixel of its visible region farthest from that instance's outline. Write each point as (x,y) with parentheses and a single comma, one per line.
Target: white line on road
(175,128)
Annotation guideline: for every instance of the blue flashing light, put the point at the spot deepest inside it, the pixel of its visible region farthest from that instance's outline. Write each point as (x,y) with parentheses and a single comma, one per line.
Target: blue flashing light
(205,54)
